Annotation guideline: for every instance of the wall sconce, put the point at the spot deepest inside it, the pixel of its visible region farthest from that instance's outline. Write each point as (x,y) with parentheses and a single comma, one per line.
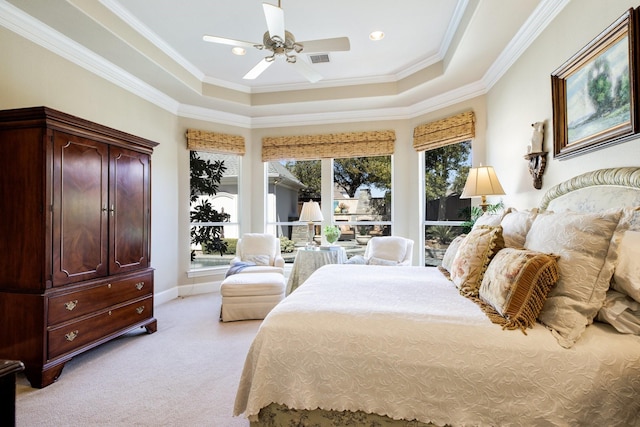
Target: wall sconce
(482,182)
(536,156)
(311,213)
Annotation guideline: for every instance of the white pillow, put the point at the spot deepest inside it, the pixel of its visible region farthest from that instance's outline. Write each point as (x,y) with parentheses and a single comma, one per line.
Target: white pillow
(491,219)
(379,261)
(626,278)
(450,253)
(259,259)
(585,266)
(515,227)
(621,312)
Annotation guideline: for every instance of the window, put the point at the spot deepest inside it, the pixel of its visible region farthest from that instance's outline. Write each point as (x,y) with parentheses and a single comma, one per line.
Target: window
(445,172)
(361,199)
(213,208)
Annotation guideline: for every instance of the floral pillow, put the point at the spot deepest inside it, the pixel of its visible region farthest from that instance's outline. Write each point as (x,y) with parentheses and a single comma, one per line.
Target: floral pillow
(515,286)
(473,257)
(585,266)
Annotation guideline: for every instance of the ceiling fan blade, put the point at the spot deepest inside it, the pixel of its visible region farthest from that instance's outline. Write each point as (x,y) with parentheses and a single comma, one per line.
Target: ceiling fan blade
(306,70)
(257,70)
(275,20)
(326,45)
(231,42)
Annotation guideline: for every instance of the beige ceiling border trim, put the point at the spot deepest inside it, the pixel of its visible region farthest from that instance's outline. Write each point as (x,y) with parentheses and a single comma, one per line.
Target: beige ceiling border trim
(333,145)
(213,142)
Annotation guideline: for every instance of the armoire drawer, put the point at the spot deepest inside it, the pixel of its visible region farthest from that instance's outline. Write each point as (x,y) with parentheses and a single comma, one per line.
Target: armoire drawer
(70,336)
(75,304)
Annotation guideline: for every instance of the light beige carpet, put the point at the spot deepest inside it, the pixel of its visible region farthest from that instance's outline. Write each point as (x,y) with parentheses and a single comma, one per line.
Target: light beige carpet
(185,374)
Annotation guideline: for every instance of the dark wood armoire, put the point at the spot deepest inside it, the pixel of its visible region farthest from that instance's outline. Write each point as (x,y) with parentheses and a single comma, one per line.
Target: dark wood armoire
(75,216)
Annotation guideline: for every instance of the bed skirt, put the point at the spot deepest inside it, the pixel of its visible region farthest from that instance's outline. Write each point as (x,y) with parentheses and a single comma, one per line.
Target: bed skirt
(276,415)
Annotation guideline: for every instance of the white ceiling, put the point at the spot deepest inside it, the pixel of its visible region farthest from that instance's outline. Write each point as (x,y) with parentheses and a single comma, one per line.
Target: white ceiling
(435,52)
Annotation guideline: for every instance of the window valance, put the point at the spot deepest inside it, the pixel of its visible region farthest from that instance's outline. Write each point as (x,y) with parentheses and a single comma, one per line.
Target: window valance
(451,130)
(333,145)
(213,142)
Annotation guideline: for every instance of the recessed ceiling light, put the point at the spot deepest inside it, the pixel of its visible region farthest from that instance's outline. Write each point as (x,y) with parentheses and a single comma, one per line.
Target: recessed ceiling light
(376,35)
(238,51)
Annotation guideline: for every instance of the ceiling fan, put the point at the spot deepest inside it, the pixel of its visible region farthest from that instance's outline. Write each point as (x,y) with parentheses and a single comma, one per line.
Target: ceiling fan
(282,43)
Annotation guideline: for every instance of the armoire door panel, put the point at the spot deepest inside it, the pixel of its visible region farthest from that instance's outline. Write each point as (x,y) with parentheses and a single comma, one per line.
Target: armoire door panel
(80,200)
(129,220)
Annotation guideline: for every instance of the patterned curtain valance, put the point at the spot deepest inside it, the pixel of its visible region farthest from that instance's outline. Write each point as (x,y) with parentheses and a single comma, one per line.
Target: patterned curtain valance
(333,145)
(200,140)
(443,132)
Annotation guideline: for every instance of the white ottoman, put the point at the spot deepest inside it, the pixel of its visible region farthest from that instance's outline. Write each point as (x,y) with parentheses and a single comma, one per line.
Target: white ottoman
(250,296)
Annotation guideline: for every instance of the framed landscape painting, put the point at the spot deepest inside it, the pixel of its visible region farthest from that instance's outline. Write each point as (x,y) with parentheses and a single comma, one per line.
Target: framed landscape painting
(595,92)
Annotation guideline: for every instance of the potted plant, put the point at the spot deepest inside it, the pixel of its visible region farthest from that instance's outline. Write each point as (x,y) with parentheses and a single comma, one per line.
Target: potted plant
(332,233)
(363,235)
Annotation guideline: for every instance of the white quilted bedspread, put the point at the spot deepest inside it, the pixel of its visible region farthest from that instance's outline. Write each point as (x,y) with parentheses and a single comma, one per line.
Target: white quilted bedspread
(402,342)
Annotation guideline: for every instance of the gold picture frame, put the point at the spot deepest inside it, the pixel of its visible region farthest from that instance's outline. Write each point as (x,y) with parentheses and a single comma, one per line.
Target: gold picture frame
(594,93)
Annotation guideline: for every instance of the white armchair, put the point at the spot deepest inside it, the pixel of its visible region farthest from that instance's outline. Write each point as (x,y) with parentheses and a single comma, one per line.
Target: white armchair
(263,250)
(389,250)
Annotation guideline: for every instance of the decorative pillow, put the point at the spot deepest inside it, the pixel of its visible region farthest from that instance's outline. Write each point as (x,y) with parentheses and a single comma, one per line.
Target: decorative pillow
(621,312)
(515,226)
(258,259)
(626,278)
(585,266)
(473,256)
(491,219)
(451,252)
(515,286)
(380,261)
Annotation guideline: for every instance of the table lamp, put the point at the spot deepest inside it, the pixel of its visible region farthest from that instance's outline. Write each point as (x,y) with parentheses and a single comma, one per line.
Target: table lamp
(481,182)
(311,213)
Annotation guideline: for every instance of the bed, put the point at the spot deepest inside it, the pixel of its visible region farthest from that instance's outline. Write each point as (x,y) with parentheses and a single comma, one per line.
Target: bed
(374,345)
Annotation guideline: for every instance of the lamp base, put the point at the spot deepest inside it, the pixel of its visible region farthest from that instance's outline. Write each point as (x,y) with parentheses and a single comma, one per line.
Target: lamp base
(311,233)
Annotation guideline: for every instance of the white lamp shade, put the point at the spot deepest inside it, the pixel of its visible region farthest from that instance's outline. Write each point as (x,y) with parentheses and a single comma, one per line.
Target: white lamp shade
(311,212)
(482,181)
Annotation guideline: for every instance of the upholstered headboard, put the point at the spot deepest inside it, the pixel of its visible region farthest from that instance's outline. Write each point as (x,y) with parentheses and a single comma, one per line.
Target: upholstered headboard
(595,191)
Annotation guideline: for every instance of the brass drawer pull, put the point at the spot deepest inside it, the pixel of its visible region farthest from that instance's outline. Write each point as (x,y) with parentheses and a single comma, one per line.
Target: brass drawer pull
(71,335)
(70,305)
(140,309)
(139,285)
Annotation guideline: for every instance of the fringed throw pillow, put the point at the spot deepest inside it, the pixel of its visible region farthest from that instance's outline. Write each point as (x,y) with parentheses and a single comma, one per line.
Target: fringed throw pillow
(515,287)
(473,257)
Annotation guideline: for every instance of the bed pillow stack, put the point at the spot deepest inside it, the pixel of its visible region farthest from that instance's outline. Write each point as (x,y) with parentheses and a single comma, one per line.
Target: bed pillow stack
(586,244)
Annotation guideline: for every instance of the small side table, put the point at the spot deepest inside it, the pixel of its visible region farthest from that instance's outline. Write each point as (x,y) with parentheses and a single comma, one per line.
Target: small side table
(8,371)
(309,260)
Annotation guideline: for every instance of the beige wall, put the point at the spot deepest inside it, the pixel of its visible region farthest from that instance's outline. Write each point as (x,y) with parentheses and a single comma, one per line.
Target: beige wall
(32,76)
(523,96)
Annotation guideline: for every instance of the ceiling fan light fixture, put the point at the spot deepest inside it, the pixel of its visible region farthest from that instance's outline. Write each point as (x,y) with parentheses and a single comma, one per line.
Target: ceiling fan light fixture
(238,51)
(376,35)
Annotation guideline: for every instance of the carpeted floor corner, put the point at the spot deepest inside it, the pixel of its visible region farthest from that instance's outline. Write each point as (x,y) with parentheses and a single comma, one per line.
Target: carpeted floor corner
(185,374)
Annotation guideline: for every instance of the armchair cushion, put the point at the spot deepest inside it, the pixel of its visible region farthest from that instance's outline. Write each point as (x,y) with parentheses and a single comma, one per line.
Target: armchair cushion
(261,249)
